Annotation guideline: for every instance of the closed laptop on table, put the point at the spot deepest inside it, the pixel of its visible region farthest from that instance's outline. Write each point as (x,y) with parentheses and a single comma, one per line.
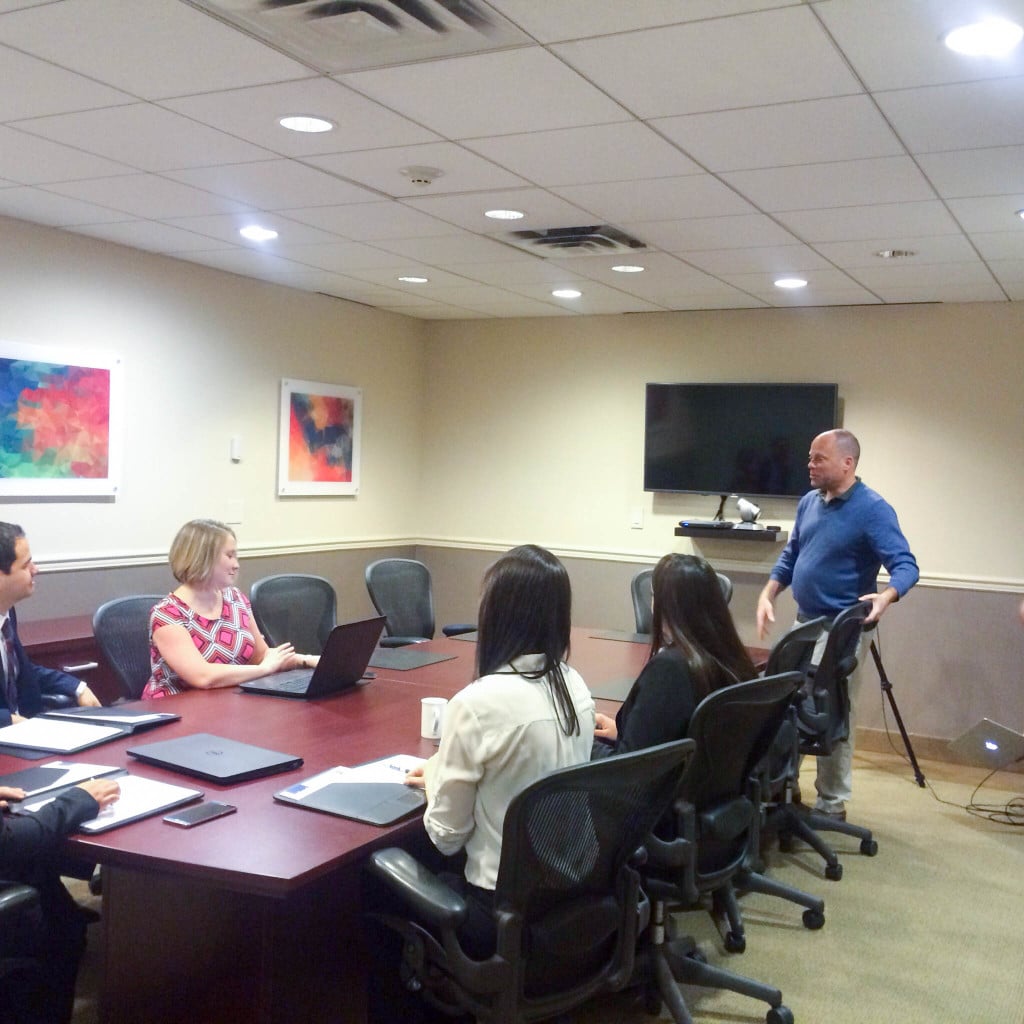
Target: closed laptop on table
(215,758)
(342,664)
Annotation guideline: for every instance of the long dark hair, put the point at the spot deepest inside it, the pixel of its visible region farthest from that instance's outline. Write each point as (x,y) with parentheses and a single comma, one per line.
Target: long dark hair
(526,608)
(691,615)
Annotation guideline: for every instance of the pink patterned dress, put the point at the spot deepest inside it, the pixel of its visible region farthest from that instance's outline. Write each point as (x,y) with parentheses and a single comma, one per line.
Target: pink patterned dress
(228,640)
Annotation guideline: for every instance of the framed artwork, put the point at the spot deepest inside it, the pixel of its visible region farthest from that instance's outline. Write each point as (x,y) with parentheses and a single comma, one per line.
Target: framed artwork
(61,422)
(320,435)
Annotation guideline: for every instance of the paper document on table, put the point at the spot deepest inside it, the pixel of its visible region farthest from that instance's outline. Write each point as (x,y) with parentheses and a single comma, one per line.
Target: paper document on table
(58,736)
(388,769)
(139,798)
(55,775)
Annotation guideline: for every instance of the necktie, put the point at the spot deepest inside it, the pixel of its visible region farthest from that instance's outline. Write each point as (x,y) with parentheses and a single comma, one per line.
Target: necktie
(12,666)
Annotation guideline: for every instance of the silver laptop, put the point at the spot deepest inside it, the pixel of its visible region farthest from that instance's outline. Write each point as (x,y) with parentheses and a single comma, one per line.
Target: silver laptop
(989,745)
(341,667)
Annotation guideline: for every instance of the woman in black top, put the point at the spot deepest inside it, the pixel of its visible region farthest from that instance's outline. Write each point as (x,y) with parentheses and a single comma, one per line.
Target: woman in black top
(695,649)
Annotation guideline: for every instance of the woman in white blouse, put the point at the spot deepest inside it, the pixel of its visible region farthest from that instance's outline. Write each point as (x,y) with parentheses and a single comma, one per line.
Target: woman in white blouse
(527,714)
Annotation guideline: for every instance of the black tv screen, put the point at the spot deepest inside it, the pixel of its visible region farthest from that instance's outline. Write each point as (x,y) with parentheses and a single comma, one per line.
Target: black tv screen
(745,439)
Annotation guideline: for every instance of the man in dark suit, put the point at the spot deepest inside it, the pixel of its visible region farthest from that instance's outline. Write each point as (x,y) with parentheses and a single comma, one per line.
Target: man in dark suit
(25,683)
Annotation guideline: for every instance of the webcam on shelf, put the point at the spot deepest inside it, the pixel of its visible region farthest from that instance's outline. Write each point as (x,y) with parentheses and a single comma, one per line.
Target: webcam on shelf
(748,514)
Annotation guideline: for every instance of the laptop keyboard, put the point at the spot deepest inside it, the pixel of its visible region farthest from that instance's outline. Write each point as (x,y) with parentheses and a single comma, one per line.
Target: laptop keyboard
(296,685)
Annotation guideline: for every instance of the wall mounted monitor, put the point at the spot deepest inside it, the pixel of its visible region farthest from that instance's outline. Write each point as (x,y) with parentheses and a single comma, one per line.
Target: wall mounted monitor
(745,439)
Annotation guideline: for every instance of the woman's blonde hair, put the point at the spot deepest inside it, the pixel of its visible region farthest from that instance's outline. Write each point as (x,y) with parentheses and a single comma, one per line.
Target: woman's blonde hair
(196,548)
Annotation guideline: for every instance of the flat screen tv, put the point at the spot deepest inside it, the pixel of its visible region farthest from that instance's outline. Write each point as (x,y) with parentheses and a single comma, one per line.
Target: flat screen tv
(745,439)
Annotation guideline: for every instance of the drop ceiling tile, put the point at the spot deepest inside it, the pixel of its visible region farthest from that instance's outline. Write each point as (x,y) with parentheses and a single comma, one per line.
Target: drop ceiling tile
(1010,273)
(866,222)
(532,270)
(846,183)
(382,169)
(863,253)
(151,236)
(990,213)
(226,227)
(763,284)
(273,184)
(388,277)
(887,279)
(852,296)
(245,261)
(897,45)
(574,19)
(666,71)
(253,114)
(657,266)
(949,117)
(30,87)
(33,161)
(695,195)
(977,172)
(447,249)
(367,222)
(42,207)
(143,137)
(980,291)
(595,299)
(340,257)
(1000,245)
(149,48)
(542,210)
(812,131)
(571,156)
(149,196)
(697,233)
(774,259)
(446,95)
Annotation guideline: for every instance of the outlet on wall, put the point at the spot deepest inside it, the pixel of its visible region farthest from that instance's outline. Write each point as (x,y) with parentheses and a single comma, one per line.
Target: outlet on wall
(636,518)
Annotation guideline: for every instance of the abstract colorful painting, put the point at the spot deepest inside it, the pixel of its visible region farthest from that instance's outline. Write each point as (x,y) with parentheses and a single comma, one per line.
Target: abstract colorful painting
(58,421)
(319,438)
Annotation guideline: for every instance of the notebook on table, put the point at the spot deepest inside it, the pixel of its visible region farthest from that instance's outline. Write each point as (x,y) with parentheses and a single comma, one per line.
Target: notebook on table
(134,717)
(215,758)
(341,667)
(989,745)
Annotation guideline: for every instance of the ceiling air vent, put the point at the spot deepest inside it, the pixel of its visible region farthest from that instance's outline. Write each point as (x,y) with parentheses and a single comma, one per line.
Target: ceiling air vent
(594,240)
(350,35)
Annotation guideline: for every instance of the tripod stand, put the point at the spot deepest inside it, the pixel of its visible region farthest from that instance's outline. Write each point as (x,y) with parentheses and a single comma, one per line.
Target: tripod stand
(887,690)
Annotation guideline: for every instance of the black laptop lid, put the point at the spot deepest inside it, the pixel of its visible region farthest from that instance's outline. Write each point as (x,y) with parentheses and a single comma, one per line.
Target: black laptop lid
(345,656)
(215,758)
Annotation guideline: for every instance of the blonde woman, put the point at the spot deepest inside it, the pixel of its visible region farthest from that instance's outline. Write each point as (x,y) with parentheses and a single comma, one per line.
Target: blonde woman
(203,635)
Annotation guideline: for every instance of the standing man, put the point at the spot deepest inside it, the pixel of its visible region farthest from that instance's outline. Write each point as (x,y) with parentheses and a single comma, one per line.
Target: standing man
(843,534)
(24,682)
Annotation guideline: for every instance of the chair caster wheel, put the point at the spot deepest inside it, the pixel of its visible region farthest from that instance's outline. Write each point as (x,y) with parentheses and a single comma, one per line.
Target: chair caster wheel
(779,1015)
(814,919)
(735,943)
(868,847)
(833,872)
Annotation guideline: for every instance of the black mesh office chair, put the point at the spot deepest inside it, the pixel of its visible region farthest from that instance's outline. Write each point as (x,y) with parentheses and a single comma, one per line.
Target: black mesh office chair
(401,591)
(641,589)
(16,901)
(121,628)
(703,846)
(295,608)
(568,902)
(822,718)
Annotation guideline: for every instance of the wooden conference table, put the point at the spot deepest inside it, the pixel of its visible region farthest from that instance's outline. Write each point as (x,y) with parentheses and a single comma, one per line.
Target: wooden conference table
(256,916)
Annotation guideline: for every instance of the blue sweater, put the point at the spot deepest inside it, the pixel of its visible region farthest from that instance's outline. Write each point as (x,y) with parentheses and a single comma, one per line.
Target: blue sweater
(837,547)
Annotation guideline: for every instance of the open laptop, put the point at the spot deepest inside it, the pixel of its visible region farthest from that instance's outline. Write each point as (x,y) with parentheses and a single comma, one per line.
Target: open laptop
(989,745)
(344,659)
(215,758)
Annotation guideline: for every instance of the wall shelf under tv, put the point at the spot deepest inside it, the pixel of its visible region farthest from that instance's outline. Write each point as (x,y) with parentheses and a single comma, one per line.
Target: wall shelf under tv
(764,536)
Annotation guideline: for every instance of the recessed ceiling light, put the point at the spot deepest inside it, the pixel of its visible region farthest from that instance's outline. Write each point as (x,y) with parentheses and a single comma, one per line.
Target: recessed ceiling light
(257,234)
(790,282)
(627,268)
(504,214)
(895,254)
(993,37)
(305,123)
(566,293)
(414,280)
(1020,213)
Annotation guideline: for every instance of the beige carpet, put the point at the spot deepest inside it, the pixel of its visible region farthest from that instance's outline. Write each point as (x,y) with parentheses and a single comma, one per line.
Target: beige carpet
(930,931)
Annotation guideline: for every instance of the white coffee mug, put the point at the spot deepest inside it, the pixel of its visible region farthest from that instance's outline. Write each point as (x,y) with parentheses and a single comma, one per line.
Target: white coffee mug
(431,717)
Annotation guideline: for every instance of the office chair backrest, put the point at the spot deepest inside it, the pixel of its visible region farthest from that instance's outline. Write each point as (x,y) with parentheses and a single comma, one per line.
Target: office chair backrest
(400,589)
(121,628)
(295,608)
(641,590)
(565,840)
(795,649)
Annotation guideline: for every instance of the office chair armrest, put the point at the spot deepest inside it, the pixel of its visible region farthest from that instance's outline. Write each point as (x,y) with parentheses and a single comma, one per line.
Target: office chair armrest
(427,897)
(813,712)
(458,628)
(667,853)
(15,897)
(57,701)
(402,641)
